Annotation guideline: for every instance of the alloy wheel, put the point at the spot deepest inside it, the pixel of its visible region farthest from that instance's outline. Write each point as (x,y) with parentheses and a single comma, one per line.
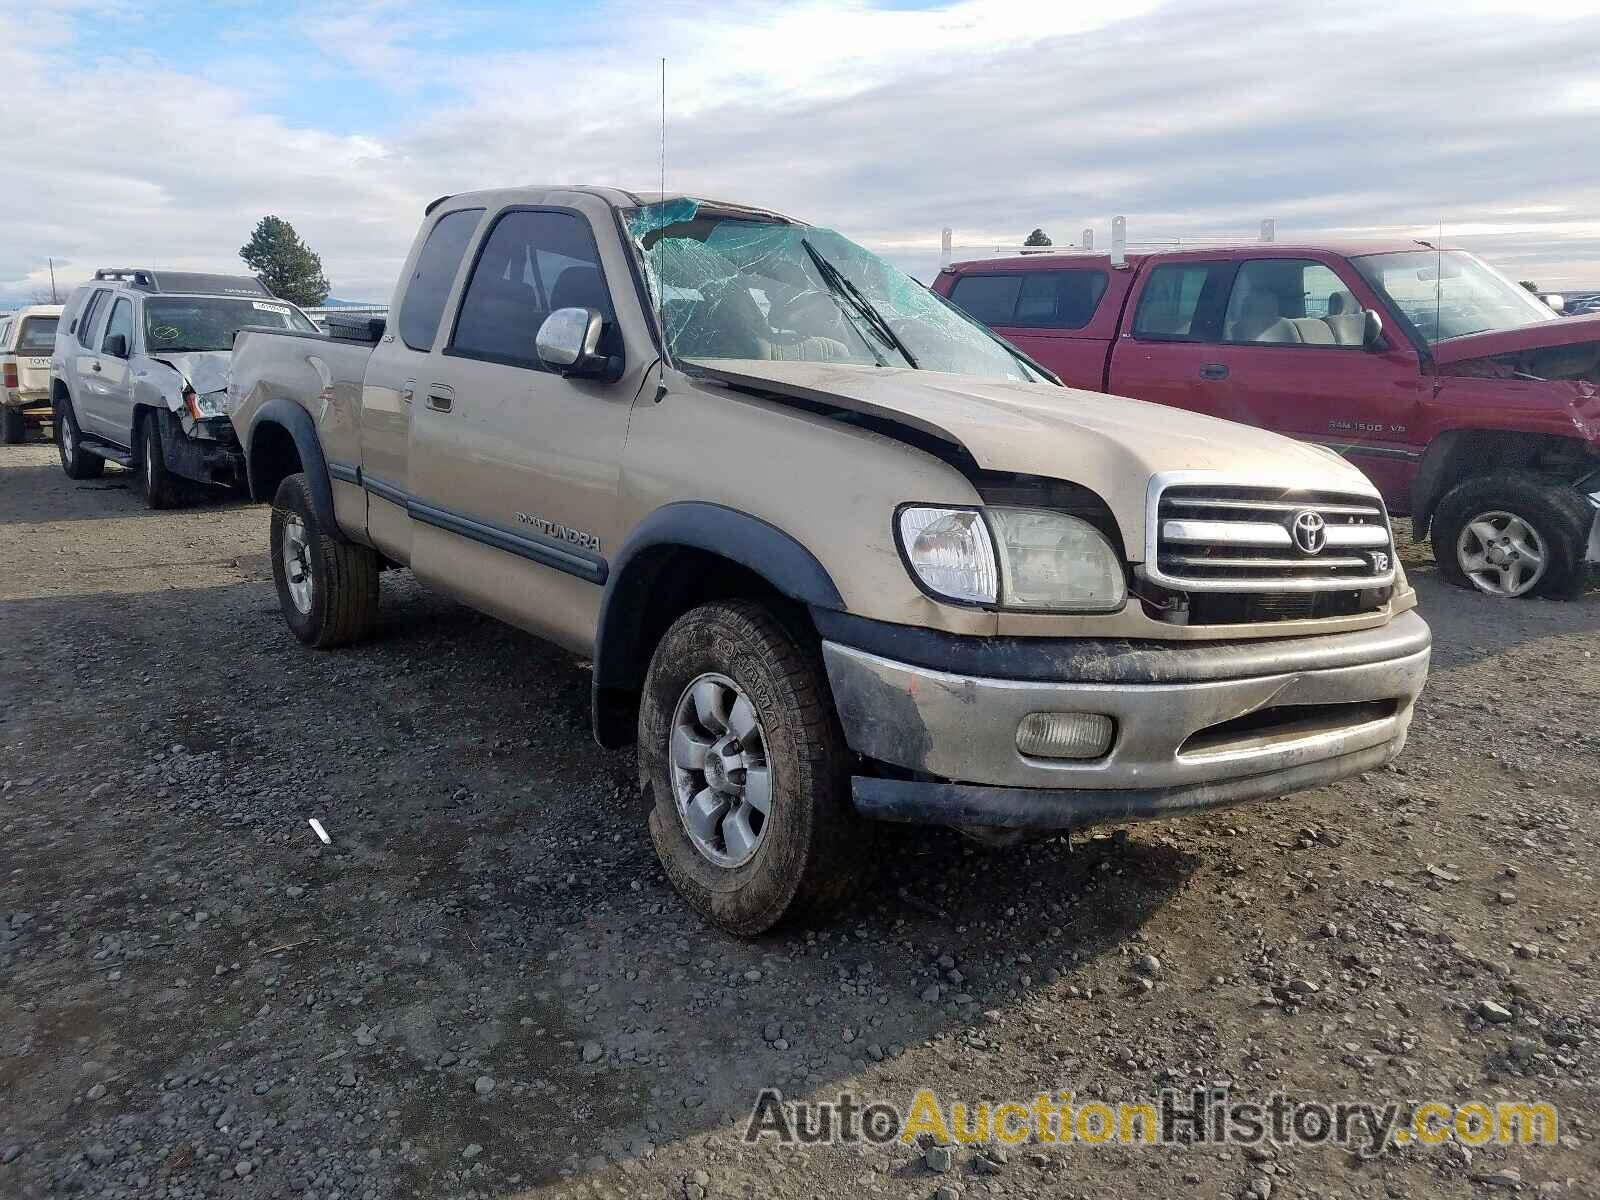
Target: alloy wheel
(1502,554)
(297,561)
(721,779)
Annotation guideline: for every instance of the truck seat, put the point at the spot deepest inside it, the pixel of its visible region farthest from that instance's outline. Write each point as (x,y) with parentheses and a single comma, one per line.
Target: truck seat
(1313,331)
(1346,319)
(1260,320)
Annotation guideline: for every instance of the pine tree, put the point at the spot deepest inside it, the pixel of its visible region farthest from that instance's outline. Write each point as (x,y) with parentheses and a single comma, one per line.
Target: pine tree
(286,265)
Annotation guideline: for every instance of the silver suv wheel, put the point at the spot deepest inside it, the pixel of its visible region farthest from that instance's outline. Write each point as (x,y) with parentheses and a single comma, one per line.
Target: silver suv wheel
(1502,554)
(720,776)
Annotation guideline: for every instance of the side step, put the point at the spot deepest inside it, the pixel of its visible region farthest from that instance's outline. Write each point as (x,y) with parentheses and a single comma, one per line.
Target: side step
(103,449)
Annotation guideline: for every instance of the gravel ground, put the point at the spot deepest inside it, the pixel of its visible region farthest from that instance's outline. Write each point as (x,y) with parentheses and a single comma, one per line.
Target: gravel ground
(484,987)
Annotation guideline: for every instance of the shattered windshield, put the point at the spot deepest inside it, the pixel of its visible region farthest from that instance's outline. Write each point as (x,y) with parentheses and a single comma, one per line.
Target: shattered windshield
(1447,294)
(197,323)
(740,287)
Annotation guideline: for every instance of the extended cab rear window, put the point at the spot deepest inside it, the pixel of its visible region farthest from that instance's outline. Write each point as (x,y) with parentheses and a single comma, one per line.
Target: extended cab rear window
(1183,302)
(434,275)
(1031,299)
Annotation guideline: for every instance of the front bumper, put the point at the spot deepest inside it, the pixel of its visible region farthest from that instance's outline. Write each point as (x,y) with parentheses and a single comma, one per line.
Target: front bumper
(1197,726)
(210,454)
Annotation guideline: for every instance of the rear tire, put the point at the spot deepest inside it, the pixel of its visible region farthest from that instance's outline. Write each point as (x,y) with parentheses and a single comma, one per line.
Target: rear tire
(13,426)
(77,462)
(813,849)
(156,484)
(1513,535)
(327,587)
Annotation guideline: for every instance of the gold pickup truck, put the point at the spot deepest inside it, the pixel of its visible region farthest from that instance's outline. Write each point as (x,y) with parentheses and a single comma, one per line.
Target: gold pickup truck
(837,553)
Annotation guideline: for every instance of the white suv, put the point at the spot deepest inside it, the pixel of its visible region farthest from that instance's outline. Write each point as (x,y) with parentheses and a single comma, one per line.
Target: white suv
(139,375)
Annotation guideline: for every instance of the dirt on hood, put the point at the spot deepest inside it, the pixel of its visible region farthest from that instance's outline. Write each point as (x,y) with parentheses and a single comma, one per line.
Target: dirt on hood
(1110,444)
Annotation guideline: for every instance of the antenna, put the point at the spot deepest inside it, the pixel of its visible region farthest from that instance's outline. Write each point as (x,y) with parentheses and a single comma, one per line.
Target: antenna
(1438,283)
(52,263)
(661,287)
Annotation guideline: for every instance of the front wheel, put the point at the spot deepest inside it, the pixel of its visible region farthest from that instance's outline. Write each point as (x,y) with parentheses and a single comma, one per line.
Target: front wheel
(327,587)
(1512,535)
(746,767)
(77,462)
(156,484)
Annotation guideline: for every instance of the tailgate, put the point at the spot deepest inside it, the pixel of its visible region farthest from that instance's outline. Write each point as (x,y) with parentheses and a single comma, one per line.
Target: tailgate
(33,372)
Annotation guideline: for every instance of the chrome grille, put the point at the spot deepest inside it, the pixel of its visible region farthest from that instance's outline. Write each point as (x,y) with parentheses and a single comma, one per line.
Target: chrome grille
(1219,538)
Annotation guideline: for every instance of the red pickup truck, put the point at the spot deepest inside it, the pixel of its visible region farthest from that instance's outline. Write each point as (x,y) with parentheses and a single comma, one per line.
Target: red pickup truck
(1471,405)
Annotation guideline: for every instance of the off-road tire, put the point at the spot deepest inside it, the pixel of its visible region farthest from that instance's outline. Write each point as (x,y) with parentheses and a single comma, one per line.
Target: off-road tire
(344,575)
(77,462)
(1555,511)
(157,485)
(13,426)
(815,850)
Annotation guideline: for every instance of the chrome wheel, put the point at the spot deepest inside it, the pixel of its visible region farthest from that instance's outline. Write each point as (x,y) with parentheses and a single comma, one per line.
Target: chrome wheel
(64,435)
(297,561)
(1502,554)
(720,776)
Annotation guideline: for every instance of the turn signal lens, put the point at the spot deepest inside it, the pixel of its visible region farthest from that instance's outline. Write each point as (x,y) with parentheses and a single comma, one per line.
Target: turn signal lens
(950,551)
(11,375)
(1065,735)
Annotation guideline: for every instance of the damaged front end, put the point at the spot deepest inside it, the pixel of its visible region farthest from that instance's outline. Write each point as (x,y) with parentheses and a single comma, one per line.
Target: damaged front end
(198,440)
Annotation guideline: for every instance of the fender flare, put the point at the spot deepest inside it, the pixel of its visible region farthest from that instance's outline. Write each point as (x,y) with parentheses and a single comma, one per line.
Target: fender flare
(297,422)
(1455,454)
(751,542)
(1430,483)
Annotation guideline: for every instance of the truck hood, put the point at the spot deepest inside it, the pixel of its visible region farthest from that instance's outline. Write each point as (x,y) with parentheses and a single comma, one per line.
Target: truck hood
(1564,332)
(203,370)
(1110,444)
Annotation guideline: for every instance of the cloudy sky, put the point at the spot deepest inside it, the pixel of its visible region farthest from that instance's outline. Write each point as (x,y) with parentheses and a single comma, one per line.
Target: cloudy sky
(156,132)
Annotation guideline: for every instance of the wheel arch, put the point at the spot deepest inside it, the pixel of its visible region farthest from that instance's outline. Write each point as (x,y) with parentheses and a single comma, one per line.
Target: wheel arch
(1461,454)
(282,441)
(682,555)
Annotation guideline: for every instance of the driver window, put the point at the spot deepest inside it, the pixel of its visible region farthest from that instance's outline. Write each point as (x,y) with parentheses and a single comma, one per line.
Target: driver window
(532,263)
(1293,302)
(121,322)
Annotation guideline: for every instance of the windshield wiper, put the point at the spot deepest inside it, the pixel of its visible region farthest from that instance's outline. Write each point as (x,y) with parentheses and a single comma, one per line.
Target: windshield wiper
(852,295)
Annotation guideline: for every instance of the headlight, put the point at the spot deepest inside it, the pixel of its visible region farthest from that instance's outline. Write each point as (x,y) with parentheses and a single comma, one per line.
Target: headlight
(1053,561)
(207,404)
(1036,559)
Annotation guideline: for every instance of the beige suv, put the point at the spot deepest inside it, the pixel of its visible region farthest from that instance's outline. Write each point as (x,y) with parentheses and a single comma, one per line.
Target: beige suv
(837,554)
(27,337)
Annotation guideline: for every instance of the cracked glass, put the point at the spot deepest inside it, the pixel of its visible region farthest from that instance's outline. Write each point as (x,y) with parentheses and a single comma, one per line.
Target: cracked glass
(739,286)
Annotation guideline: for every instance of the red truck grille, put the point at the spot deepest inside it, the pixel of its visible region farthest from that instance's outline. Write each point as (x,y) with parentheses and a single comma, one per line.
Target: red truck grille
(1272,542)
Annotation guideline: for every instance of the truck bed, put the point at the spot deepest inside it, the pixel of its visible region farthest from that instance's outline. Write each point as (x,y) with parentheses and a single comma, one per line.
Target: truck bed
(317,373)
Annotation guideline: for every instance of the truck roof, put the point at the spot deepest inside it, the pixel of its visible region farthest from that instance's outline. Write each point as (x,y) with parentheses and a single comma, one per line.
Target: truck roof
(1064,259)
(619,198)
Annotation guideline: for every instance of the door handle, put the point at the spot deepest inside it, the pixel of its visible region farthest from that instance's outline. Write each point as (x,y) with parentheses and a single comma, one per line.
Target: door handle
(1214,371)
(441,398)
(409,392)
(94,366)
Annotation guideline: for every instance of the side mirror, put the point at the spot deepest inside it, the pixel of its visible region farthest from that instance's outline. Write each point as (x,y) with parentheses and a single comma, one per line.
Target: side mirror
(117,345)
(1556,303)
(569,344)
(1371,329)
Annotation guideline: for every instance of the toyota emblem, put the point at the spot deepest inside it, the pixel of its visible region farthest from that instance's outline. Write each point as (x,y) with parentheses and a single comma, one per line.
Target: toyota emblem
(1310,531)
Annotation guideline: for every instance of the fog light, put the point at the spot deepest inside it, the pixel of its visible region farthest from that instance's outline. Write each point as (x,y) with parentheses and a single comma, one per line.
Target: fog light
(1065,735)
